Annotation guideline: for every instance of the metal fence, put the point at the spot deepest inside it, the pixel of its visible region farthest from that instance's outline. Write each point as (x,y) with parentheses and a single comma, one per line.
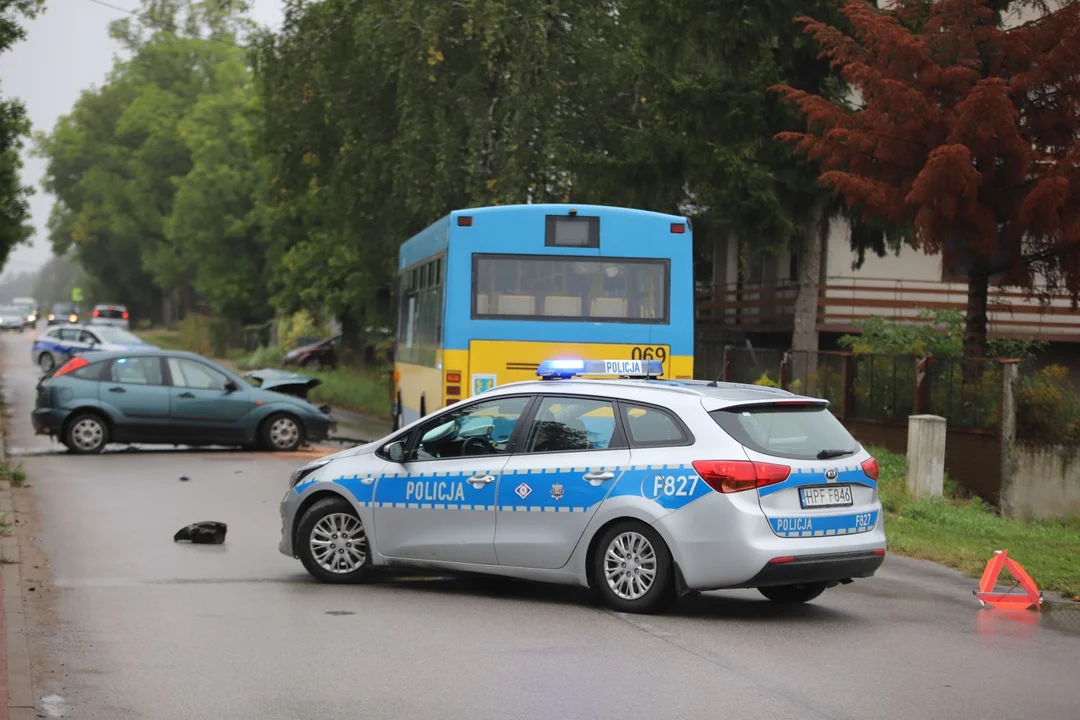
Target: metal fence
(889,388)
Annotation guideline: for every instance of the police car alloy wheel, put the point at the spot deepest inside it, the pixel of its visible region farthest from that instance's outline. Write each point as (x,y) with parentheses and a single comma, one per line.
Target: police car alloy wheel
(632,568)
(332,542)
(793,594)
(46,361)
(86,434)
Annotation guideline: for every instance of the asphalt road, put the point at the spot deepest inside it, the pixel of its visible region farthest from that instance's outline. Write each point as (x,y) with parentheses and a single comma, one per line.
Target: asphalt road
(127,624)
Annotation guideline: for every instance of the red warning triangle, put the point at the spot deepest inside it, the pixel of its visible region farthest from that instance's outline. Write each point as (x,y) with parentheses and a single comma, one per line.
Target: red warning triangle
(1017,601)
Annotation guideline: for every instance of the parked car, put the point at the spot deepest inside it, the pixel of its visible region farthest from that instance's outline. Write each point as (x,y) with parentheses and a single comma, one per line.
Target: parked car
(114,315)
(150,396)
(11,318)
(322,353)
(59,344)
(30,309)
(63,312)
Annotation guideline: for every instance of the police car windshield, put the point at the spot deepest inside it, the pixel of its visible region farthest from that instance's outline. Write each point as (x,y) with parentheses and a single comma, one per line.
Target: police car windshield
(799,432)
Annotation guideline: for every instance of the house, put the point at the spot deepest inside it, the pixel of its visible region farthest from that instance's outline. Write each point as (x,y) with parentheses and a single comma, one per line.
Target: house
(752,297)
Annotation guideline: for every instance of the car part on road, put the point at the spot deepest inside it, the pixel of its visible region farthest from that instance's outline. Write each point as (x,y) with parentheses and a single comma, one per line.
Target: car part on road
(208,532)
(286,383)
(632,568)
(282,433)
(332,543)
(793,594)
(86,434)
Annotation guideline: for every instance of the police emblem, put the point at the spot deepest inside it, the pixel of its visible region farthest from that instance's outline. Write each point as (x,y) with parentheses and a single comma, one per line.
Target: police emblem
(557,491)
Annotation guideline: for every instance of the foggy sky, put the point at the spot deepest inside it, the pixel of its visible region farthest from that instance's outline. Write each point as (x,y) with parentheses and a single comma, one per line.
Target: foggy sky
(67,50)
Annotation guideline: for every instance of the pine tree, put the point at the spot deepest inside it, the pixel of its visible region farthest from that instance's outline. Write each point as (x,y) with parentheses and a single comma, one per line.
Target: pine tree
(965,127)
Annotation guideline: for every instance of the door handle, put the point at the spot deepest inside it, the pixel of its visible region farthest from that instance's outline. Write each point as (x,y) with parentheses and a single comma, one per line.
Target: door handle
(117,389)
(186,395)
(595,478)
(478,481)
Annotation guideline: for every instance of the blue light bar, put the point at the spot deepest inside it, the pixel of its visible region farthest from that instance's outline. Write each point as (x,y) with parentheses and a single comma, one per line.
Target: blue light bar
(556,369)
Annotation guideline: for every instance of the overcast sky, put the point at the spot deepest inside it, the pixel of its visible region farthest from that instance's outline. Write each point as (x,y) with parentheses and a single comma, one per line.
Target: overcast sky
(67,49)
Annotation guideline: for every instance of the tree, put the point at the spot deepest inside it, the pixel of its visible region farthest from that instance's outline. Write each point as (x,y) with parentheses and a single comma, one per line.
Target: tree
(965,128)
(14,209)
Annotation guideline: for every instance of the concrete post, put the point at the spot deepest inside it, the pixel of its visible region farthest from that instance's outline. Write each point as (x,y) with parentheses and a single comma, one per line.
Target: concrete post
(1010,374)
(925,455)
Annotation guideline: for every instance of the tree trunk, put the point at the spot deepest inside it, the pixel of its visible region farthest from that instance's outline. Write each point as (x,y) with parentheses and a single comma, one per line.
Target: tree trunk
(351,340)
(804,335)
(975,323)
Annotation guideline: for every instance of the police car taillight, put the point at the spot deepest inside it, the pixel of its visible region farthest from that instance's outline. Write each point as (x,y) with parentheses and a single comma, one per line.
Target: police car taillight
(871,468)
(731,476)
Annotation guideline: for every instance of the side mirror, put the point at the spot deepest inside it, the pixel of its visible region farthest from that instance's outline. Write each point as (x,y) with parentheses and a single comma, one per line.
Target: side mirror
(231,387)
(396,451)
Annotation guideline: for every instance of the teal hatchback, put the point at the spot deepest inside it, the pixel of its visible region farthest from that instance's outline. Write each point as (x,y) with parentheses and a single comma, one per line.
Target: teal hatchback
(178,398)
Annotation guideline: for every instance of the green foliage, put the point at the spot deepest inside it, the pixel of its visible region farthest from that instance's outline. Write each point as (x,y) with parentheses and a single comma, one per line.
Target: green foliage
(292,328)
(965,533)
(1048,408)
(264,357)
(766,381)
(15,475)
(362,391)
(14,126)
(940,334)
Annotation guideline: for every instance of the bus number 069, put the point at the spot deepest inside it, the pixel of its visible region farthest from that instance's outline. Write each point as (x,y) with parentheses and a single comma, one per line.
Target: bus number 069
(648,353)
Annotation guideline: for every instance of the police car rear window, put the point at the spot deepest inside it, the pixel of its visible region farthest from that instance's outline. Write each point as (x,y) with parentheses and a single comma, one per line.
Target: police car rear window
(798,432)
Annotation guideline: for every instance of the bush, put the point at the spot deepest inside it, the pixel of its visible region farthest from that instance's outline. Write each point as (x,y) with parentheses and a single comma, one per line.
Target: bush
(209,336)
(263,357)
(766,380)
(1047,408)
(298,325)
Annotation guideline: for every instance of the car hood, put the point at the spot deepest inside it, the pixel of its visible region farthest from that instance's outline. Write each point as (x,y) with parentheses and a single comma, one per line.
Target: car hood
(284,382)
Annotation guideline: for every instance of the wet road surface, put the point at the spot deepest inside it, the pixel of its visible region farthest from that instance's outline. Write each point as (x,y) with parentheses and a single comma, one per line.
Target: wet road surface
(127,624)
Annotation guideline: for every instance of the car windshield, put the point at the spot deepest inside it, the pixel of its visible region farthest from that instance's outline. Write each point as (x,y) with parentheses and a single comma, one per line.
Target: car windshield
(63,308)
(119,337)
(10,310)
(799,432)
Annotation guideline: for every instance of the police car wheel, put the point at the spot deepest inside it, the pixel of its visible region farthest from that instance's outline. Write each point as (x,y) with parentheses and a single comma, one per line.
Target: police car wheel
(632,568)
(793,594)
(86,434)
(46,361)
(332,543)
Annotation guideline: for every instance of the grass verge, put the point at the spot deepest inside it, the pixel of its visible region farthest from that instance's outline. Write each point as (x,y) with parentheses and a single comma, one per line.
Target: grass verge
(964,533)
(362,391)
(164,339)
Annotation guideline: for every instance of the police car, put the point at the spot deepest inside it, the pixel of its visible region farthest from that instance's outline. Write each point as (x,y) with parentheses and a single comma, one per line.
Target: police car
(637,487)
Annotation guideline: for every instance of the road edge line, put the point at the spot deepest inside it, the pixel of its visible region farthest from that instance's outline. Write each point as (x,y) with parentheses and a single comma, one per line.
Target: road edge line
(15,663)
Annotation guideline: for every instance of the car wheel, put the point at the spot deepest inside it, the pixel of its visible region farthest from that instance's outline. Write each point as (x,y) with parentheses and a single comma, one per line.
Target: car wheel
(46,361)
(632,568)
(332,543)
(282,433)
(86,434)
(793,594)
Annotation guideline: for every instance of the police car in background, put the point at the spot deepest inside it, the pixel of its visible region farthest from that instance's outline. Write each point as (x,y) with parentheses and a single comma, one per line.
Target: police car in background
(641,489)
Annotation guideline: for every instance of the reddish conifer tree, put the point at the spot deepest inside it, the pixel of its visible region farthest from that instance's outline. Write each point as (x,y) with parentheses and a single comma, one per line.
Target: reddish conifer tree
(965,127)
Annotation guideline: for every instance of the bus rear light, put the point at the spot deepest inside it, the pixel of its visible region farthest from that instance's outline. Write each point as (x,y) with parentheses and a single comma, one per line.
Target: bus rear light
(453,390)
(451,402)
(453,377)
(678,228)
(464,221)
(731,476)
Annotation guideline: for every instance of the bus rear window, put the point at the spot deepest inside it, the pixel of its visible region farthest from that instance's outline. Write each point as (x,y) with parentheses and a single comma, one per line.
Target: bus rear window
(545,287)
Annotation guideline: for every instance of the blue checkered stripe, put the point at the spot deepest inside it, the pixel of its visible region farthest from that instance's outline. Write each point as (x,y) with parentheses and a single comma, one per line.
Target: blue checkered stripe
(824,525)
(537,490)
(802,476)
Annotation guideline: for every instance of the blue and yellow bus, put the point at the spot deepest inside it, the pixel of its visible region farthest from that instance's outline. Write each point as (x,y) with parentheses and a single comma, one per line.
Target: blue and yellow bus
(486,294)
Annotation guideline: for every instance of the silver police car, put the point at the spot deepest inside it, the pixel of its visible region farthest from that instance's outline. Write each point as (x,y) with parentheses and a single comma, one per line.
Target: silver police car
(639,488)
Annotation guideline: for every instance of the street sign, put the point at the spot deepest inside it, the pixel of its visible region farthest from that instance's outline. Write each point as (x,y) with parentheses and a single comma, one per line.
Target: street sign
(76,294)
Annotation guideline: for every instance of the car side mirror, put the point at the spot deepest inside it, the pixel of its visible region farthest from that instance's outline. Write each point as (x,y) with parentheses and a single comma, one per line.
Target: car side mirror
(396,451)
(231,387)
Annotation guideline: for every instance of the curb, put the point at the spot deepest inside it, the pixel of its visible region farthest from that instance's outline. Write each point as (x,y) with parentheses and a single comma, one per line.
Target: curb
(14,647)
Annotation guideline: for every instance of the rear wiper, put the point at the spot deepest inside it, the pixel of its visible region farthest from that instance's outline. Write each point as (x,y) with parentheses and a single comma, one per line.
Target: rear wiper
(830,454)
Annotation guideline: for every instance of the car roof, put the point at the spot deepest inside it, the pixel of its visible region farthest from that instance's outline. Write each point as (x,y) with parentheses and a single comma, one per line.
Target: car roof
(108,305)
(713,395)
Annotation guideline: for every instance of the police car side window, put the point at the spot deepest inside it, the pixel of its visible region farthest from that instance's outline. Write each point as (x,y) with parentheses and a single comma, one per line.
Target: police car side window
(568,424)
(652,427)
(484,428)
